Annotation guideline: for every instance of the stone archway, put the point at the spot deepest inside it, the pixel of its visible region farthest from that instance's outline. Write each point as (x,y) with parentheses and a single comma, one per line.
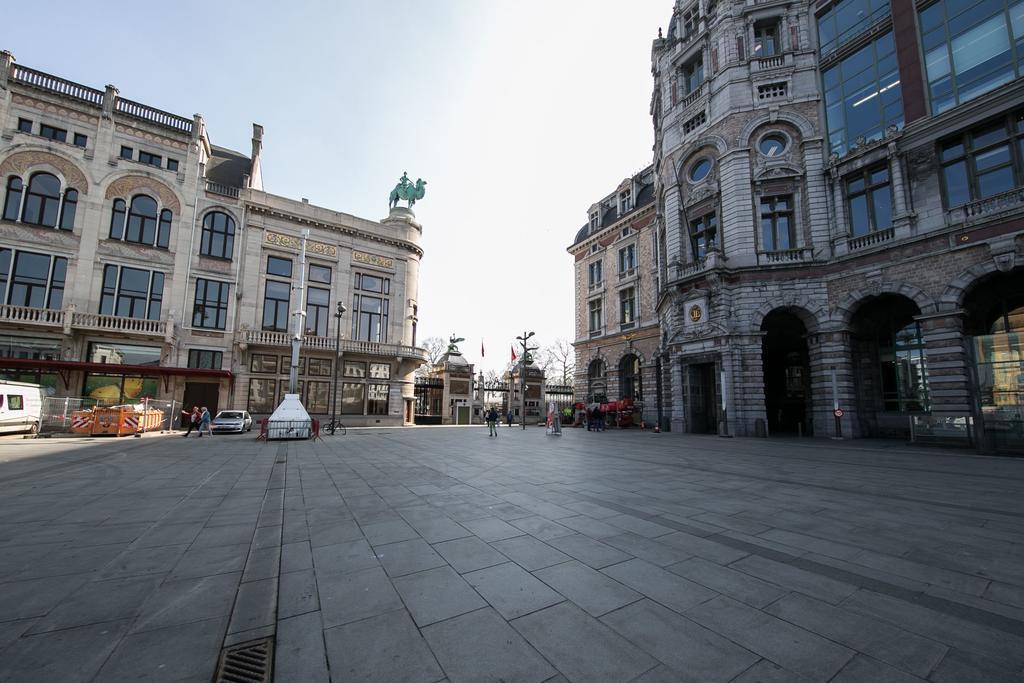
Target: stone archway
(597,381)
(786,369)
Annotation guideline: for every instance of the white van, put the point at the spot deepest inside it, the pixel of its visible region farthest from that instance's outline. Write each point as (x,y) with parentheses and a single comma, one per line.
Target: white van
(21,407)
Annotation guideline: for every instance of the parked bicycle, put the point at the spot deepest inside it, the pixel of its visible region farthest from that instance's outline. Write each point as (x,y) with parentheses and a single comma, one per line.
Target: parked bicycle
(334,427)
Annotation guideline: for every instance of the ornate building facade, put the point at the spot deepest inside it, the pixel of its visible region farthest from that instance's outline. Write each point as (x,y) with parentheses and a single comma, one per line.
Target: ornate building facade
(617,333)
(138,259)
(838,191)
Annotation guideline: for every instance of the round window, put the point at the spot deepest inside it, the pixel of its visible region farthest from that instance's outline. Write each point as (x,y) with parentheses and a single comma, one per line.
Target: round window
(699,171)
(773,144)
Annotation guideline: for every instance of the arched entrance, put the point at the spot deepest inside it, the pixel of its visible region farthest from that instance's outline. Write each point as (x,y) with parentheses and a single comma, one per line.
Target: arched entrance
(994,324)
(630,383)
(597,381)
(890,365)
(787,374)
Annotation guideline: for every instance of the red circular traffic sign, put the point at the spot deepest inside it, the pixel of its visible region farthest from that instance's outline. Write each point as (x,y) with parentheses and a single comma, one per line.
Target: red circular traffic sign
(838,412)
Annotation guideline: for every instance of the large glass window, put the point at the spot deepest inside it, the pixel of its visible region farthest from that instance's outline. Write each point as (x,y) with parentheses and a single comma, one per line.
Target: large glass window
(869,201)
(318,397)
(12,200)
(982,162)
(629,378)
(846,20)
(863,95)
(114,353)
(595,315)
(281,267)
(370,313)
(627,258)
(970,47)
(777,230)
(693,74)
(42,202)
(377,399)
(904,370)
(276,297)
(703,235)
(203,359)
(262,393)
(766,38)
(210,309)
(132,292)
(145,224)
(67,209)
(594,274)
(218,238)
(317,302)
(31,279)
(352,396)
(627,306)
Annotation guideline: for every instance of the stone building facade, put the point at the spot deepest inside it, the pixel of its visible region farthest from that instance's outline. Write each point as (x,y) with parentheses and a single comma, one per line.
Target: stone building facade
(138,259)
(617,332)
(839,206)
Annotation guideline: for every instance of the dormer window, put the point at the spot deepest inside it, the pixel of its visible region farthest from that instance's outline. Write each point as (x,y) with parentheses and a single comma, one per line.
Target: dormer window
(625,201)
(691,21)
(595,219)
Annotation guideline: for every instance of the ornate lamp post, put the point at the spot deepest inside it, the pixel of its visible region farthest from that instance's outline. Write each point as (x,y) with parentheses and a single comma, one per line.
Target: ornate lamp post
(527,360)
(337,364)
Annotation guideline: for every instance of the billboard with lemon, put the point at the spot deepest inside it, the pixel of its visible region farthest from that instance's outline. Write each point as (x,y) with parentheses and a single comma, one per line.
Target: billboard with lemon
(117,389)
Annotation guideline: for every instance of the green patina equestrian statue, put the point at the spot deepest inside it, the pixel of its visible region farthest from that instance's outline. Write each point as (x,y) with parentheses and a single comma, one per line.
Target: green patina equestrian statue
(408,191)
(453,342)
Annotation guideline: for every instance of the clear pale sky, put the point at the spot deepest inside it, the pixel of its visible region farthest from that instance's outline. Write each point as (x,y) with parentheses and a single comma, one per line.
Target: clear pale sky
(518,114)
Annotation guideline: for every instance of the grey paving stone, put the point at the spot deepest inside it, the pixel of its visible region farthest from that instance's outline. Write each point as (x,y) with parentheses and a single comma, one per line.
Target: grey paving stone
(325,534)
(793,578)
(511,590)
(349,556)
(588,550)
(381,533)
(436,594)
(296,557)
(299,652)
(653,551)
(963,667)
(347,597)
(10,631)
(766,671)
(659,674)
(99,601)
(255,605)
(590,526)
(141,561)
(210,561)
(481,646)
(706,548)
(671,590)
(228,534)
(695,652)
(581,647)
(263,563)
(540,527)
(469,554)
(880,640)
(792,647)
(638,526)
(189,600)
(175,653)
(169,534)
(267,536)
(297,594)
(594,592)
(407,557)
(591,509)
(385,648)
(82,651)
(862,668)
(735,584)
(814,544)
(36,597)
(438,529)
(491,528)
(529,552)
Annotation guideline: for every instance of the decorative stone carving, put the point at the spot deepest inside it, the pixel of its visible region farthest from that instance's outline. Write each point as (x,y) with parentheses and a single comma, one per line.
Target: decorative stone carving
(141,253)
(20,163)
(129,185)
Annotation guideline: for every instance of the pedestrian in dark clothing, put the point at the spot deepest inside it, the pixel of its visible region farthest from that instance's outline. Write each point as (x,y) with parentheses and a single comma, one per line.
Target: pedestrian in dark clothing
(193,420)
(508,419)
(598,419)
(492,422)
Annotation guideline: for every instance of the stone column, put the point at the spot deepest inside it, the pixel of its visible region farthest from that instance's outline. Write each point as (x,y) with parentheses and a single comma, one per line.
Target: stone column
(747,403)
(948,363)
(737,237)
(831,348)
(817,195)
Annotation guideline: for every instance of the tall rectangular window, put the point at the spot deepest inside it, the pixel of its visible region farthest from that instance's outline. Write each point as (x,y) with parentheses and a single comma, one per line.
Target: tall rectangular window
(693,74)
(276,296)
(595,315)
(594,275)
(262,394)
(318,397)
(317,302)
(863,94)
(869,201)
(33,280)
(370,308)
(625,201)
(627,306)
(847,19)
(627,259)
(353,395)
(132,292)
(703,235)
(25,125)
(970,48)
(203,359)
(210,308)
(766,38)
(982,162)
(777,230)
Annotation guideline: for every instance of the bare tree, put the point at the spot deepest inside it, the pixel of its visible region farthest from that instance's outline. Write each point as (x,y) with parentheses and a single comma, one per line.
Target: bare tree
(558,360)
(435,347)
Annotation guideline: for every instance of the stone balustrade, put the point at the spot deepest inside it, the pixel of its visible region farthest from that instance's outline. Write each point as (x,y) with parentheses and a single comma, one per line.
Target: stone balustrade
(26,315)
(116,323)
(284,339)
(871,239)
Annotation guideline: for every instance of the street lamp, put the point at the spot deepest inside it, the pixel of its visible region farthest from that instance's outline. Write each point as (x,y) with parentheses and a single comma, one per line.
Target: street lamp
(337,363)
(523,341)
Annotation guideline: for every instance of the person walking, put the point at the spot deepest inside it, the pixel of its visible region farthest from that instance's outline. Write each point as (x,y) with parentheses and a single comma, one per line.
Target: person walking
(508,418)
(492,422)
(204,423)
(193,420)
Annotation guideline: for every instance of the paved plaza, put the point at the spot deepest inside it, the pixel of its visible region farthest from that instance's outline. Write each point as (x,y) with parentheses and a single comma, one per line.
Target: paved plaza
(435,554)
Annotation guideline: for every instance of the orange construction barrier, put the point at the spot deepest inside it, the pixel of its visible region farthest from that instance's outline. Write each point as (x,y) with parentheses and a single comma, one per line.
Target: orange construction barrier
(81,422)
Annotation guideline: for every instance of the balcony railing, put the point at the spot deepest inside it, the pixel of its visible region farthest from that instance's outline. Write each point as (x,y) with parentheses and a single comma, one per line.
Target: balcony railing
(283,339)
(692,97)
(997,203)
(223,190)
(765,63)
(24,315)
(54,84)
(115,323)
(692,268)
(871,239)
(153,115)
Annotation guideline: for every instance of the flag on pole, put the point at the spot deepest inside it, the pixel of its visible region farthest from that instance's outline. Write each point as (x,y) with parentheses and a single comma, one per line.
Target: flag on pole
(513,353)
(481,348)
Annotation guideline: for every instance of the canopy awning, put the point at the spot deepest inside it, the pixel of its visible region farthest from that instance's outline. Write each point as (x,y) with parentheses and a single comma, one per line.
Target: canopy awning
(64,367)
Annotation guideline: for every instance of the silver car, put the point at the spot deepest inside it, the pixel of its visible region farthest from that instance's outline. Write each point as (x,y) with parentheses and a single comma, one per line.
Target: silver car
(232,421)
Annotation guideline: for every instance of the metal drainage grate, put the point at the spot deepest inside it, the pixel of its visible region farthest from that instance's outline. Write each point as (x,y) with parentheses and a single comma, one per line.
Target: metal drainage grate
(249,662)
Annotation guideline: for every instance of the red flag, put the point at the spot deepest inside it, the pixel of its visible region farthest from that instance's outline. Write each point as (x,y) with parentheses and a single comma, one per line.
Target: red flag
(481,348)
(513,353)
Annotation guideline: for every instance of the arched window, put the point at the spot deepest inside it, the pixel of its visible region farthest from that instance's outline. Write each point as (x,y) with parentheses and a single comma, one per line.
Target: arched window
(597,381)
(163,237)
(630,385)
(141,220)
(12,203)
(42,201)
(117,220)
(67,209)
(218,235)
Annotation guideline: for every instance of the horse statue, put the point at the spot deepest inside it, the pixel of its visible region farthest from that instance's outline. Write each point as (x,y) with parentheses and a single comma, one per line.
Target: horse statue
(453,342)
(407,190)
